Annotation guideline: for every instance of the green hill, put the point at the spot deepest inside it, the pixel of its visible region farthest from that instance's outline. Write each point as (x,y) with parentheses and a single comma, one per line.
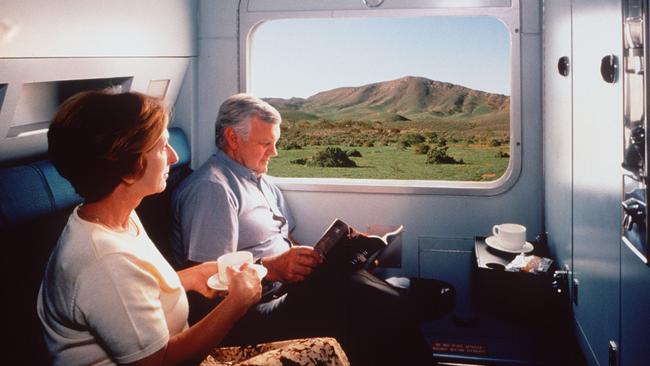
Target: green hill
(404,99)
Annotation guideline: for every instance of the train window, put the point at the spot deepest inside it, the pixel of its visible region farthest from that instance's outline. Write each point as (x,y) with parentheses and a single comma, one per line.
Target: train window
(388,99)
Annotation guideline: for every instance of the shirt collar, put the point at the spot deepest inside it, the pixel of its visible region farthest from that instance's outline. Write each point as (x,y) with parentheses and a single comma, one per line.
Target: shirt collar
(234,166)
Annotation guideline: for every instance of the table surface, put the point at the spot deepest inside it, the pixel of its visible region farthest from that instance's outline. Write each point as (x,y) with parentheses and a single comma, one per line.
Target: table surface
(489,258)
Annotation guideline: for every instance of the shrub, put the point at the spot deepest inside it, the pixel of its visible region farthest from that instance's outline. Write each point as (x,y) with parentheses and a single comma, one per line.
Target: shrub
(324,124)
(413,138)
(431,137)
(354,153)
(438,155)
(292,146)
(301,161)
(422,149)
(494,142)
(331,157)
(502,154)
(303,125)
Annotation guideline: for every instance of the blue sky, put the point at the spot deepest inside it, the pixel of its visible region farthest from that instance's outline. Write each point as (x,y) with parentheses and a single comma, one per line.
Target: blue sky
(297,57)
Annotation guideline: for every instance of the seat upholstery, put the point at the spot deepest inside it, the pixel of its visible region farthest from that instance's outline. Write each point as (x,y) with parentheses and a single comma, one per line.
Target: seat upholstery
(155,211)
(35,202)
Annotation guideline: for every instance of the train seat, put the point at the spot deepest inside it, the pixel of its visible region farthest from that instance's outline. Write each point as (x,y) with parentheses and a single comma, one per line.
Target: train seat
(35,202)
(155,211)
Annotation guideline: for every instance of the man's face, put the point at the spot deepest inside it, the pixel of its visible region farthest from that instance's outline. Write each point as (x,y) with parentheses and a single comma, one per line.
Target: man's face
(256,151)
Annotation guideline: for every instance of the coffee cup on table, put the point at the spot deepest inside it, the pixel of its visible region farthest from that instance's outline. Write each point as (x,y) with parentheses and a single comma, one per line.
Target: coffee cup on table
(235,260)
(510,236)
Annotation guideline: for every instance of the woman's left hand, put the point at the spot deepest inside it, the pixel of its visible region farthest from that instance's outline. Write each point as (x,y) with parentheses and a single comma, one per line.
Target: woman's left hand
(196,277)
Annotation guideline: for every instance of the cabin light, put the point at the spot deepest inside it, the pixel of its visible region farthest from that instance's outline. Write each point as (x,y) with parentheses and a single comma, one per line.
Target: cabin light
(7,30)
(373,3)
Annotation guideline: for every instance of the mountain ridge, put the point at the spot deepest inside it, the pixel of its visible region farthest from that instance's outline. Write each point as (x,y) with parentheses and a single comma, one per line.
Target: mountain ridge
(405,98)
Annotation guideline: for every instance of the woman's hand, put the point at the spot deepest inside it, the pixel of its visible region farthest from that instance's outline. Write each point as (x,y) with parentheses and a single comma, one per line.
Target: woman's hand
(244,285)
(196,277)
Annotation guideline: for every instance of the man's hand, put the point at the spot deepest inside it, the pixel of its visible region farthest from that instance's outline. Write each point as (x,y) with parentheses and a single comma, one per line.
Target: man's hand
(293,265)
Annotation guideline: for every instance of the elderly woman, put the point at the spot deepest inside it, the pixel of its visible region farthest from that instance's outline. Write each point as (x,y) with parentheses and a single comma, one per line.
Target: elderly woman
(108,296)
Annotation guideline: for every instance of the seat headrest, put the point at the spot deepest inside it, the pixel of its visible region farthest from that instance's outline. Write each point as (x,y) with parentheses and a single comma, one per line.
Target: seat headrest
(23,195)
(37,189)
(179,142)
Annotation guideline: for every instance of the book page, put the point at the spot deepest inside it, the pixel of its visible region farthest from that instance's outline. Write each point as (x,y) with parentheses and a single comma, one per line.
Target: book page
(392,256)
(386,232)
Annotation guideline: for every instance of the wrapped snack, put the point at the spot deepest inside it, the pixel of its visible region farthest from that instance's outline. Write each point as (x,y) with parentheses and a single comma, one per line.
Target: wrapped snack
(529,263)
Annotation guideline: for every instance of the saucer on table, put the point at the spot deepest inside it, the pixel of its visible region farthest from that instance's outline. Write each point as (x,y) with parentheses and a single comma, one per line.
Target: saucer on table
(215,283)
(493,242)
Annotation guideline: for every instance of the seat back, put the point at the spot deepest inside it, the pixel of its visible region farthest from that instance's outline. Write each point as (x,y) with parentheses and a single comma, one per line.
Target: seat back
(155,211)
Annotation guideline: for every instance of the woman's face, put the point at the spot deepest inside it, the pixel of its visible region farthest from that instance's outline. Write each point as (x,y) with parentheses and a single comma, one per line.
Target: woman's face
(156,171)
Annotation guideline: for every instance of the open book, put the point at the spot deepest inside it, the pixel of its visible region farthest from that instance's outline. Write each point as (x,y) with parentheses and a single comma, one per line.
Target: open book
(349,247)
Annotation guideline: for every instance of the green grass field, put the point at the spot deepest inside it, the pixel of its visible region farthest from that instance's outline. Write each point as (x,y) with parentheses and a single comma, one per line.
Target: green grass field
(481,163)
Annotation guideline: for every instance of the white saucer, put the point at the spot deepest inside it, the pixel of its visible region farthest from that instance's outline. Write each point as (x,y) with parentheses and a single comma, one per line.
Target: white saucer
(491,241)
(214,283)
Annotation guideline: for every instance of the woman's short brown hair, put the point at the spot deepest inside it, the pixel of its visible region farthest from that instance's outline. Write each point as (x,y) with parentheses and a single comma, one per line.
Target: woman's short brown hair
(97,138)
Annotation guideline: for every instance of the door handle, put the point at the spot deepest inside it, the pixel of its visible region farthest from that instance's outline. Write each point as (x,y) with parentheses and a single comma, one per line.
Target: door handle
(609,68)
(612,354)
(635,213)
(563,65)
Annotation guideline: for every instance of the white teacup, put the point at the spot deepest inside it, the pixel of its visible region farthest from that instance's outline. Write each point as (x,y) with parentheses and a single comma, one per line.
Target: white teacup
(234,259)
(510,236)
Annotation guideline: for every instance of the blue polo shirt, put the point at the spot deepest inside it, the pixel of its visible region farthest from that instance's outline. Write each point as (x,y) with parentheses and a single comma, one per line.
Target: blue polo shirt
(223,207)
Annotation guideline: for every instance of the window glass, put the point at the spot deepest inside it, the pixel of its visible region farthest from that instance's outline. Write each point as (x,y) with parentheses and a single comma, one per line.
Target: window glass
(387,98)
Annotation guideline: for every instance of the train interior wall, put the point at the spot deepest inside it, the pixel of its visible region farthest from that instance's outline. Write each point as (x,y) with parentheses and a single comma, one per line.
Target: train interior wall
(567,183)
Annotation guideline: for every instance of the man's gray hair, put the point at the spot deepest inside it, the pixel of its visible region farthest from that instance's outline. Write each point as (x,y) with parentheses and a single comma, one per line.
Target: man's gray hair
(236,113)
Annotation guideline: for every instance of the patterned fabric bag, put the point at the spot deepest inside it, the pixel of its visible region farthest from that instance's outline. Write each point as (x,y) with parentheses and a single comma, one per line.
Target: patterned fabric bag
(308,351)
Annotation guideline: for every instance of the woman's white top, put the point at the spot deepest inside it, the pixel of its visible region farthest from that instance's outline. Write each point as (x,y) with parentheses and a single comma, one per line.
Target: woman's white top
(108,297)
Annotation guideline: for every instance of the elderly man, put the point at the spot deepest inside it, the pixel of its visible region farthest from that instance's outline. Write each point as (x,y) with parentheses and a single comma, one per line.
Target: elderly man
(228,204)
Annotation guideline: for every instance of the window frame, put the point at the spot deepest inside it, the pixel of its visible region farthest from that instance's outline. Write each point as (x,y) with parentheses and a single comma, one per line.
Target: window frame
(252,13)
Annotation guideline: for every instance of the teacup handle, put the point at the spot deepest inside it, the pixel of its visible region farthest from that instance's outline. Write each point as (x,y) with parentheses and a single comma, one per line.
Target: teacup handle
(495,230)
